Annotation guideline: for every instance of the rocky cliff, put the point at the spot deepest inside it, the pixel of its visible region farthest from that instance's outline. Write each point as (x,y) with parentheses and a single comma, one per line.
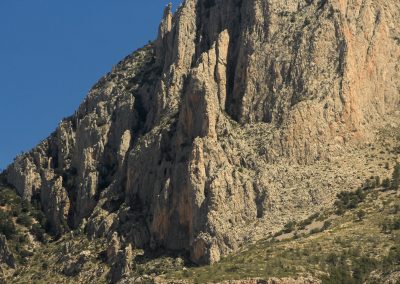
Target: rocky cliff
(216,133)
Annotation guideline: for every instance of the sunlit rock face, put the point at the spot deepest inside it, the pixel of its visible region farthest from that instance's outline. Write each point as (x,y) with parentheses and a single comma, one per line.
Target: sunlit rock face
(190,142)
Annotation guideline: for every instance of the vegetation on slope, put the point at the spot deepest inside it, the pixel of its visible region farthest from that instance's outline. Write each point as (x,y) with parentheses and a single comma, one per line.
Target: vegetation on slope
(23,223)
(349,247)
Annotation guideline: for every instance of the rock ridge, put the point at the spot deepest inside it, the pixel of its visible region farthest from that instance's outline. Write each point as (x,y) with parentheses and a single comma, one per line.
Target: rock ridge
(204,137)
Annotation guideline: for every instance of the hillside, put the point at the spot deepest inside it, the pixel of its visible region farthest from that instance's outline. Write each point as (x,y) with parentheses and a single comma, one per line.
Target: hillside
(242,119)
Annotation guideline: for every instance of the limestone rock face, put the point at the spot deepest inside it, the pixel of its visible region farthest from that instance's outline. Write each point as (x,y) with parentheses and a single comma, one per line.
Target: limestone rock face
(213,134)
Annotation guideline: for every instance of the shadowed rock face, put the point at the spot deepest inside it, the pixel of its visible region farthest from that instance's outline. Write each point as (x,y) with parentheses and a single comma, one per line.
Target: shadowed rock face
(187,143)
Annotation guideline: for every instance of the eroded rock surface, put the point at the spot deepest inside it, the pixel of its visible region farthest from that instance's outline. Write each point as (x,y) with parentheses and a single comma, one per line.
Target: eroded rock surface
(222,124)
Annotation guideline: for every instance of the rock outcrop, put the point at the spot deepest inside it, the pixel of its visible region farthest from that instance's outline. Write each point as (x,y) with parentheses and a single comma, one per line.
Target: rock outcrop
(192,142)
(5,254)
(74,265)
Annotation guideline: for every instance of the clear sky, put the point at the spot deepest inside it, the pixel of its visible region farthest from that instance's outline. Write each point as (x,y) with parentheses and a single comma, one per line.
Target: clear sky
(53,51)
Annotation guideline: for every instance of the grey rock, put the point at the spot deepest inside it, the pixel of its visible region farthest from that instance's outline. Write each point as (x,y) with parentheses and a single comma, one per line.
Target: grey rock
(121,265)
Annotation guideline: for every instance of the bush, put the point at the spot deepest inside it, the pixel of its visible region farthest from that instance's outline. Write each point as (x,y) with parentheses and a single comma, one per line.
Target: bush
(40,217)
(16,210)
(303,224)
(38,232)
(362,267)
(360,215)
(22,239)
(326,225)
(7,226)
(393,257)
(396,224)
(26,206)
(386,183)
(349,200)
(25,220)
(389,225)
(289,227)
(341,272)
(395,209)
(25,253)
(315,231)
(8,197)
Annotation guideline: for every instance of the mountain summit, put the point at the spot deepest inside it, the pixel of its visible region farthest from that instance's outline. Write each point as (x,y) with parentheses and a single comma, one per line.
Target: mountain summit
(241,116)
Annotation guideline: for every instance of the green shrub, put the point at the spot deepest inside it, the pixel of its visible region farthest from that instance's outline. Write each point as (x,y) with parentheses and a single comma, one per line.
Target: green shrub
(25,220)
(26,206)
(338,275)
(25,253)
(22,239)
(386,183)
(45,265)
(40,217)
(315,231)
(389,225)
(16,210)
(349,200)
(340,271)
(303,224)
(360,215)
(326,225)
(377,181)
(7,226)
(362,267)
(8,197)
(38,232)
(396,224)
(395,209)
(289,227)
(393,258)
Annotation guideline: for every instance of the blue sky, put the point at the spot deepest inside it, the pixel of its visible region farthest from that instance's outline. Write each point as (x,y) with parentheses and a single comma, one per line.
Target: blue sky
(53,51)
